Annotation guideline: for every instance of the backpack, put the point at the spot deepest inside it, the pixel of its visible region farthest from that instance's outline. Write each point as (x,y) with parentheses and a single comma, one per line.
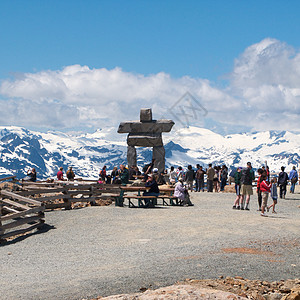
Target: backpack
(246,176)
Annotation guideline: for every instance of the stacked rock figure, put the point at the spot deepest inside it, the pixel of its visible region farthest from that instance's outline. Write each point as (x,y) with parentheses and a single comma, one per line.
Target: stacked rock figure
(146,133)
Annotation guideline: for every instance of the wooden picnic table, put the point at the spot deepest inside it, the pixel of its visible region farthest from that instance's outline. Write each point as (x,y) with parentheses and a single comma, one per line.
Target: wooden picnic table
(143,188)
(134,189)
(141,198)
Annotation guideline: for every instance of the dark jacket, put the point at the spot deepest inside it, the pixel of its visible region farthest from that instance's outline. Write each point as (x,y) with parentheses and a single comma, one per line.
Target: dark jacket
(237,177)
(283,177)
(124,176)
(153,186)
(32,176)
(247,176)
(190,175)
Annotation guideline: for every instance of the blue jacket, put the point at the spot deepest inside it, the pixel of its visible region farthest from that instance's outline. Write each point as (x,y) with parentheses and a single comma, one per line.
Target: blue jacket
(293,174)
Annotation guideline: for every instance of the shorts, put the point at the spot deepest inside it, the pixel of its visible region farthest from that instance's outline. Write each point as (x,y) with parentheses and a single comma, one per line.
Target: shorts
(238,189)
(265,196)
(246,190)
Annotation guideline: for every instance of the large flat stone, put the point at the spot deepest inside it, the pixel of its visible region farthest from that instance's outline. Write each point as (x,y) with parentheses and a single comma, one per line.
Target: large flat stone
(145,140)
(149,127)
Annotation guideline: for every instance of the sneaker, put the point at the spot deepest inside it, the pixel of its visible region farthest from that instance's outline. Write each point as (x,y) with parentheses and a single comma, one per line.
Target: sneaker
(263,215)
(242,208)
(247,208)
(274,212)
(238,207)
(233,207)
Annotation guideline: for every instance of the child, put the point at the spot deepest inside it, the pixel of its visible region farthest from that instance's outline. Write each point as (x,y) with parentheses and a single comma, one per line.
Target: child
(273,195)
(265,188)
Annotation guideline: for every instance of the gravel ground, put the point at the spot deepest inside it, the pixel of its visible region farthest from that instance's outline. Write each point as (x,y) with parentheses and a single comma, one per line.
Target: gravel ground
(99,251)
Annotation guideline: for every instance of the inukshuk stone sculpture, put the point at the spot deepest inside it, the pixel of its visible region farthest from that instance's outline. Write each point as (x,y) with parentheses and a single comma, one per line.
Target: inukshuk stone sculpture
(146,133)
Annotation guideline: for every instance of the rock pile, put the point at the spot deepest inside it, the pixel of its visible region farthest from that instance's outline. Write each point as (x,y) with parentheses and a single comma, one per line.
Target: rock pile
(233,288)
(253,289)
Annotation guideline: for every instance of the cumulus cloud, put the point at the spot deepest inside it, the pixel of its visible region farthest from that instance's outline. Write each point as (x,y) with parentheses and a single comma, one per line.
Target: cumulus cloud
(263,93)
(267,78)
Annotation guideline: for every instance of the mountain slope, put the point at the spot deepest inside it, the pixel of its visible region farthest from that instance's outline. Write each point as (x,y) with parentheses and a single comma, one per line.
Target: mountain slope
(21,149)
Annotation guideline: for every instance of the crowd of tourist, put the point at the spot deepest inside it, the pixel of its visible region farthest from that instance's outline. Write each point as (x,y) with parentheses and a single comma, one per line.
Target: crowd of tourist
(213,179)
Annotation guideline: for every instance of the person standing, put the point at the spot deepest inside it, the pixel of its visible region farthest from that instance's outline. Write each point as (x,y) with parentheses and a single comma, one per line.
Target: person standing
(60,174)
(102,174)
(259,197)
(237,181)
(210,177)
(283,178)
(200,179)
(274,195)
(246,185)
(293,177)
(180,174)
(172,175)
(189,177)
(217,179)
(196,182)
(224,176)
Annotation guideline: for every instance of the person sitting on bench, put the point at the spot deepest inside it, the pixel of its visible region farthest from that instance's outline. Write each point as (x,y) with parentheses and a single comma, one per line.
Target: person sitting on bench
(181,193)
(152,185)
(153,189)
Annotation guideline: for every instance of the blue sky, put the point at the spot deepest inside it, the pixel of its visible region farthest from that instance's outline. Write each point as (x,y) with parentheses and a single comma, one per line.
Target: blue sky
(202,40)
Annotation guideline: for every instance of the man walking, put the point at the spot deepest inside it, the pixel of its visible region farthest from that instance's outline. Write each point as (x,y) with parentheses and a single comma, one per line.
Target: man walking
(293,177)
(246,185)
(283,178)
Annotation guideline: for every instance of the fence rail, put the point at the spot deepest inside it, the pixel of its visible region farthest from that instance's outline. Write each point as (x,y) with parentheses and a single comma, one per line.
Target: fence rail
(19,214)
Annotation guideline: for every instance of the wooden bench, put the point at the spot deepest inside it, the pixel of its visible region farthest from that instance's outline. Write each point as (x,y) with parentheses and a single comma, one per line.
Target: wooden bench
(143,201)
(173,201)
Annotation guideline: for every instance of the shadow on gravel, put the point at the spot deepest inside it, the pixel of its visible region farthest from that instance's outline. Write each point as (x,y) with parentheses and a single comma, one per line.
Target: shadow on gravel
(18,239)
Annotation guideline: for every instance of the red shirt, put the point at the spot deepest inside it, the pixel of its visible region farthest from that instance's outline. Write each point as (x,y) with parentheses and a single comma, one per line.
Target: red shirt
(265,187)
(60,175)
(258,182)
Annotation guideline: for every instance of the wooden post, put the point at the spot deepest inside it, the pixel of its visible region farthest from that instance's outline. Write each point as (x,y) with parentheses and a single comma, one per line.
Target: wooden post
(67,200)
(93,202)
(1,230)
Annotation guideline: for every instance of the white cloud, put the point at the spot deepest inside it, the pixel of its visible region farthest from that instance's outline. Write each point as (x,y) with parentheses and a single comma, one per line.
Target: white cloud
(263,93)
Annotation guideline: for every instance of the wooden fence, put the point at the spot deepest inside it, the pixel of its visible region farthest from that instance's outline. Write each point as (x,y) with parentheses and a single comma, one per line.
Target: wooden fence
(19,212)
(62,194)
(22,211)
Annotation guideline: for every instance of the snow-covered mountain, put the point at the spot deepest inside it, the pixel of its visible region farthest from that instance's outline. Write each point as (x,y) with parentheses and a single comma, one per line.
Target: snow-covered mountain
(21,149)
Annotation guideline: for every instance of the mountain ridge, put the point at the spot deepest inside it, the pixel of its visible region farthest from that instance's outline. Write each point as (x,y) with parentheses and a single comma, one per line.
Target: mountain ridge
(21,149)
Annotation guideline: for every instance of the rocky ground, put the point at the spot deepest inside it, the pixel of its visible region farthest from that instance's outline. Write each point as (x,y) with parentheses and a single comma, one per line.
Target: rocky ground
(223,288)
